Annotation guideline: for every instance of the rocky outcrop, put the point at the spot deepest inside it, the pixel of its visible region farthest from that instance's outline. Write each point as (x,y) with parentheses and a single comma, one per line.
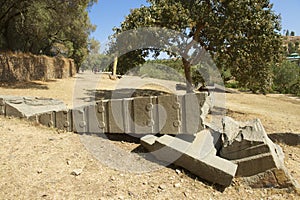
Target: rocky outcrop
(28,67)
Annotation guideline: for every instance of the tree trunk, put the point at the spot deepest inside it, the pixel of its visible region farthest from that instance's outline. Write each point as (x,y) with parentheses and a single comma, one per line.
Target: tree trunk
(114,72)
(188,75)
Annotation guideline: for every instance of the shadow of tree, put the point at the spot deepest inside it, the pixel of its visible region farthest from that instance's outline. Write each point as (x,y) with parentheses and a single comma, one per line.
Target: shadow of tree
(24,85)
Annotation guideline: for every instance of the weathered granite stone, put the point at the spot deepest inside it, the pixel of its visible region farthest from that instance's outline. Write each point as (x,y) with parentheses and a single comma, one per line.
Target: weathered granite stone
(174,150)
(247,144)
(272,178)
(145,115)
(193,113)
(170,114)
(47,119)
(29,107)
(63,120)
(115,116)
(79,116)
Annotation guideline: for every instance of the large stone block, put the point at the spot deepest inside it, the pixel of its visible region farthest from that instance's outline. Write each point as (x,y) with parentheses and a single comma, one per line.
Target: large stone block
(79,116)
(191,113)
(145,114)
(30,107)
(174,150)
(169,113)
(115,116)
(101,121)
(93,118)
(12,110)
(47,119)
(63,120)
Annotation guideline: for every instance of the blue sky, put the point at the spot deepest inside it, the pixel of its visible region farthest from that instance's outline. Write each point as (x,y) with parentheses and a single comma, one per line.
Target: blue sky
(107,14)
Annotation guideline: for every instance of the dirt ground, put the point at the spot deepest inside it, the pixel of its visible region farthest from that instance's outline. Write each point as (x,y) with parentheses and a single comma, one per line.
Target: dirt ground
(37,162)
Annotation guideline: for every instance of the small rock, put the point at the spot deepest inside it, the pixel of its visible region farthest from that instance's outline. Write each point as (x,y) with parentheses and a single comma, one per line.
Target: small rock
(178,171)
(121,197)
(185,194)
(68,162)
(177,185)
(76,172)
(162,187)
(130,193)
(112,178)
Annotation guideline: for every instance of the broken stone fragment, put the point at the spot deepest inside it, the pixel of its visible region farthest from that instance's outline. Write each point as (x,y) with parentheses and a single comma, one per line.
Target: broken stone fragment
(200,161)
(247,144)
(273,178)
(259,159)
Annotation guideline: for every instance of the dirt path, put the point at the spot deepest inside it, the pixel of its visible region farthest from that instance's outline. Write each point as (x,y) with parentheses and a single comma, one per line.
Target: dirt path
(37,162)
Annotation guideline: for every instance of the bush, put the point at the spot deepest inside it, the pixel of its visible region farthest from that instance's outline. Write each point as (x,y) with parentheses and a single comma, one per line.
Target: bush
(160,71)
(287,78)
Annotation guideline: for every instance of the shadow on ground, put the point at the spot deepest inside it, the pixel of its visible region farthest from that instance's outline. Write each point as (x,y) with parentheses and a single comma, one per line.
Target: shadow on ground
(121,93)
(291,139)
(141,153)
(25,85)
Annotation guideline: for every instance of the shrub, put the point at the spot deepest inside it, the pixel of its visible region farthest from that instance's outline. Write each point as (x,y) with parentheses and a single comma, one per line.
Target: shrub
(287,78)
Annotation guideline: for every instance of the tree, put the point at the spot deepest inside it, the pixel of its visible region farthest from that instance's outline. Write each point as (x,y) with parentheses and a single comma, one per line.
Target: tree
(287,33)
(287,78)
(241,35)
(42,26)
(93,46)
(95,60)
(292,33)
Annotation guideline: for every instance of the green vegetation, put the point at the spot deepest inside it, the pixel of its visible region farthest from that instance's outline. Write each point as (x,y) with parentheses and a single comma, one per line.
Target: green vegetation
(242,36)
(157,70)
(287,78)
(50,27)
(95,60)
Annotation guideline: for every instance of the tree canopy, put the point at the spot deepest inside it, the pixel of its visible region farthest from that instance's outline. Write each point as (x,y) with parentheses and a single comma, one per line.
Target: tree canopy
(49,27)
(241,35)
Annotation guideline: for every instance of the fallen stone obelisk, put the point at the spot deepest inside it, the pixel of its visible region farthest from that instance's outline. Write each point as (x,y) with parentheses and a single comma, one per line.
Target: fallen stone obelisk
(211,152)
(198,159)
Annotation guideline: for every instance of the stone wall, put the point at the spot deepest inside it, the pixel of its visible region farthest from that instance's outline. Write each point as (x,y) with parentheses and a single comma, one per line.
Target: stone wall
(28,67)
